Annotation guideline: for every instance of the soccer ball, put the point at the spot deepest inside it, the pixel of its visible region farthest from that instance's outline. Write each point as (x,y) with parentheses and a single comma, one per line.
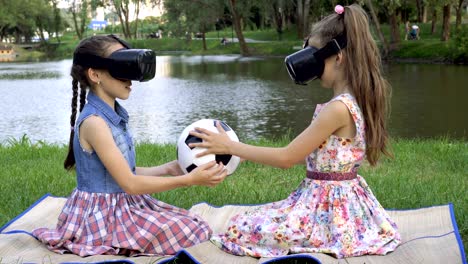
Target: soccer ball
(186,155)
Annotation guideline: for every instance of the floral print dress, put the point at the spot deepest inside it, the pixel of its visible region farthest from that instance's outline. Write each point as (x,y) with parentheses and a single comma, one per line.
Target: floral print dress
(338,217)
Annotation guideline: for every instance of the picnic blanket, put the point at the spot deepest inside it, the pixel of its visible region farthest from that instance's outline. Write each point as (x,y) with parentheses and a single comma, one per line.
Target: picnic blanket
(430,235)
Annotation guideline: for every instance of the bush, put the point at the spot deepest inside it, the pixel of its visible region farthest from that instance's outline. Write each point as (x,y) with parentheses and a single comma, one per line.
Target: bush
(460,46)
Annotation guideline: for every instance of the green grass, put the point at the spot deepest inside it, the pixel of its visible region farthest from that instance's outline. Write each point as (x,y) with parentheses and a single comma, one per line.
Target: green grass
(27,75)
(423,173)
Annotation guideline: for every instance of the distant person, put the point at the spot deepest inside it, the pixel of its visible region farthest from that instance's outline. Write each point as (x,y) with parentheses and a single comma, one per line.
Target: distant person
(224,41)
(333,210)
(407,29)
(414,33)
(111,210)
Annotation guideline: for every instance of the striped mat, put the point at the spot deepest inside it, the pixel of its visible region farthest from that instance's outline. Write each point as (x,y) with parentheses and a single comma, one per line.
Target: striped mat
(430,235)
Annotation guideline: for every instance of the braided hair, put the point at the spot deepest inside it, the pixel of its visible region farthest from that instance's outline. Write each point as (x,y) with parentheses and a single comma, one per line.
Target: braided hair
(95,45)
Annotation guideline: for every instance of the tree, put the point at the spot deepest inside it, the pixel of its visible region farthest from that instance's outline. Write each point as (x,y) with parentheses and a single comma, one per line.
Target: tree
(458,11)
(433,20)
(79,10)
(25,20)
(7,19)
(420,8)
(377,26)
(58,23)
(197,16)
(123,9)
(275,13)
(391,6)
(236,8)
(47,18)
(278,16)
(303,9)
(446,22)
(434,6)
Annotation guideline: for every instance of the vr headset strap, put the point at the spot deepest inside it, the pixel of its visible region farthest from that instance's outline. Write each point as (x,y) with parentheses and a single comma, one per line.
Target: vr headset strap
(333,47)
(92,61)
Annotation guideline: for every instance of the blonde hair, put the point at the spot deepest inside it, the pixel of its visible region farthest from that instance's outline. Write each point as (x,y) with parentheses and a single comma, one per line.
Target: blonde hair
(363,72)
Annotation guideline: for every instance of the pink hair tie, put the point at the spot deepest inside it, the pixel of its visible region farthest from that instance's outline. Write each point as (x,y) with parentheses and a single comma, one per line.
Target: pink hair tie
(339,9)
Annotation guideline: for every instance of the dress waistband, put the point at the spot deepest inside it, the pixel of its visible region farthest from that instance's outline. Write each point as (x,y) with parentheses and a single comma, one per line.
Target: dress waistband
(331,176)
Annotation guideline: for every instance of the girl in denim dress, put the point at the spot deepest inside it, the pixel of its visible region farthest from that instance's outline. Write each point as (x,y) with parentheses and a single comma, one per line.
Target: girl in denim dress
(111,210)
(333,210)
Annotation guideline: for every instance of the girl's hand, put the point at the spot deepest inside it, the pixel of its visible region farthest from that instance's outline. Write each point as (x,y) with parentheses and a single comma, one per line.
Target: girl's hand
(174,169)
(215,143)
(209,174)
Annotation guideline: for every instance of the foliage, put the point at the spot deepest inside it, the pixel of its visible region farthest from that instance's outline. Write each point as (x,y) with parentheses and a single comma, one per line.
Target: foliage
(460,46)
(24,19)
(269,20)
(194,16)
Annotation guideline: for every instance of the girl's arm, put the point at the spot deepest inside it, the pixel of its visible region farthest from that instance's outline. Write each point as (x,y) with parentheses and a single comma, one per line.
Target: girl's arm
(95,133)
(334,118)
(171,168)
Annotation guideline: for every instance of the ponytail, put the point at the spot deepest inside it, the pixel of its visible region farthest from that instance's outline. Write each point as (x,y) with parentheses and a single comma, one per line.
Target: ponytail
(363,73)
(371,89)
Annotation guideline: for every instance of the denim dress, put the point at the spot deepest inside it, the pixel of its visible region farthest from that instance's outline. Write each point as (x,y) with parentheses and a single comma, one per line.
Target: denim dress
(100,218)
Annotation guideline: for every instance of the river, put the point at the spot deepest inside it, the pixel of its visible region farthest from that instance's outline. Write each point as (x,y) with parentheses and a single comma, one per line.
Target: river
(255,96)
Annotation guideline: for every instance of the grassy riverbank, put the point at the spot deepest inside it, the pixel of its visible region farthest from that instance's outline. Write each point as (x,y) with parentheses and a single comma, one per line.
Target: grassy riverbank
(429,49)
(423,173)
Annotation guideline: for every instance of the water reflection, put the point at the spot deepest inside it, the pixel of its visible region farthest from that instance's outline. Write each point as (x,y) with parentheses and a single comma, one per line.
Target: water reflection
(253,95)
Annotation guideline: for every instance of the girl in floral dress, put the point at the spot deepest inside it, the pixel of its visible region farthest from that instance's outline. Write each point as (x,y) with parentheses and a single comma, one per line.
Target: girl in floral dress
(333,210)
(111,210)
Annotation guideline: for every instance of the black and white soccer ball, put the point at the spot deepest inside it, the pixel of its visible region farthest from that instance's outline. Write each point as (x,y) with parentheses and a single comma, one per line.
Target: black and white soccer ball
(186,155)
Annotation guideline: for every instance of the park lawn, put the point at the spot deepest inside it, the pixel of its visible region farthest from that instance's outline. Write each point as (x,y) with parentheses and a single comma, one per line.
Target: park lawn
(428,49)
(422,173)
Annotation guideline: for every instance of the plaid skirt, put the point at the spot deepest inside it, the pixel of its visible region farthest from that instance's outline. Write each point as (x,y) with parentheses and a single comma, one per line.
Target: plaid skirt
(122,224)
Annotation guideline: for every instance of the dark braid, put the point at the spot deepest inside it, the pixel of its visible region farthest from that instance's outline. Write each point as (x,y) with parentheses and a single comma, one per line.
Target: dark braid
(82,97)
(95,45)
(70,160)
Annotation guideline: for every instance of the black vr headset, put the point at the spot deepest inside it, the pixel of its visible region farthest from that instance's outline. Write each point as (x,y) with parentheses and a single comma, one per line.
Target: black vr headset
(308,64)
(122,64)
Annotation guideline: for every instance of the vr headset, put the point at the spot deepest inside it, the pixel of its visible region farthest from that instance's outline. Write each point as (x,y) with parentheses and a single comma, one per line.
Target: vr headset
(308,64)
(122,64)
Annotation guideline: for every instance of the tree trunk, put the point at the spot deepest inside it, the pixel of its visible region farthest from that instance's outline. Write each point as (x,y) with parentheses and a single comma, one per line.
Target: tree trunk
(424,18)
(305,19)
(40,28)
(300,29)
(137,12)
(238,28)
(395,32)
(75,23)
(279,18)
(458,9)
(204,37)
(419,7)
(377,26)
(2,35)
(122,12)
(446,23)
(434,21)
(57,21)
(79,14)
(126,12)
